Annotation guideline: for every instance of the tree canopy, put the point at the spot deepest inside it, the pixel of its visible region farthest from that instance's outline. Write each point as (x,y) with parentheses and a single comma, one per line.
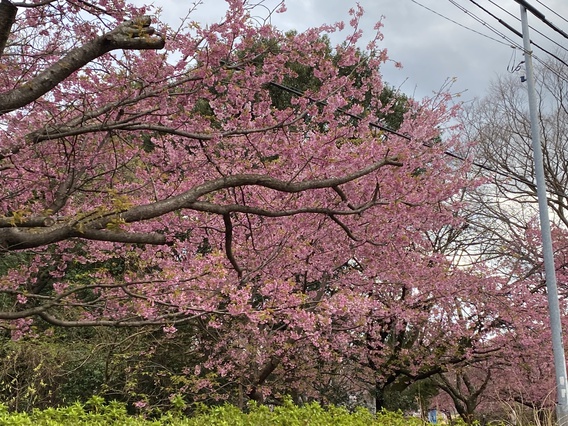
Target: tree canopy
(264,198)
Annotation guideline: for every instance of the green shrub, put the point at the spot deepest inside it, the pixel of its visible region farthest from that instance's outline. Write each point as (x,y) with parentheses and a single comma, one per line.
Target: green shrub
(98,413)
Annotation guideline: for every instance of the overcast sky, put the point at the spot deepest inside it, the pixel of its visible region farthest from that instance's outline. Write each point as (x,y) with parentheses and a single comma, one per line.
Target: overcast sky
(431,48)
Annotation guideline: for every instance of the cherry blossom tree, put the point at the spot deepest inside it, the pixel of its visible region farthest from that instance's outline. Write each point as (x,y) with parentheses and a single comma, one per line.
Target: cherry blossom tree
(149,178)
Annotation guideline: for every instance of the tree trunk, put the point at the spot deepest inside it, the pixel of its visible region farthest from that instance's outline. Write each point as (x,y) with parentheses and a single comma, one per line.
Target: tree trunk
(379,397)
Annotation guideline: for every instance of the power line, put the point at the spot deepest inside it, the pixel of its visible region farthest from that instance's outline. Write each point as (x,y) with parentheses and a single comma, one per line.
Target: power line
(510,28)
(454,155)
(341,110)
(531,27)
(541,16)
(506,25)
(511,42)
(553,11)
(457,23)
(502,35)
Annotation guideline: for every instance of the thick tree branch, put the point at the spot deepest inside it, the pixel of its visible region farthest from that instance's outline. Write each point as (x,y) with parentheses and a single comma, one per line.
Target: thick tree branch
(7,18)
(124,237)
(17,238)
(35,4)
(130,126)
(187,199)
(131,35)
(29,222)
(254,394)
(204,206)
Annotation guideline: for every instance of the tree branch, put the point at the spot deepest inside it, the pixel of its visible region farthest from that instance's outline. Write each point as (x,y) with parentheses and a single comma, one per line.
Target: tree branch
(32,5)
(7,18)
(17,238)
(131,35)
(124,237)
(229,244)
(187,199)
(205,206)
(168,319)
(29,222)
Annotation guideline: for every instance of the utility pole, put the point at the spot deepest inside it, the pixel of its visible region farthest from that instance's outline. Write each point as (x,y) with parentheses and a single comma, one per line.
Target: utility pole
(548,254)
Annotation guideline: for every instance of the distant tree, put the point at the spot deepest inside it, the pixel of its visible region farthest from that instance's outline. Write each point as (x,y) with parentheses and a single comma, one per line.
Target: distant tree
(503,214)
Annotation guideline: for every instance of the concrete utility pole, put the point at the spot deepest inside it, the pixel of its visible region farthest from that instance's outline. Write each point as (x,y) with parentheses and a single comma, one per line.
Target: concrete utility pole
(548,254)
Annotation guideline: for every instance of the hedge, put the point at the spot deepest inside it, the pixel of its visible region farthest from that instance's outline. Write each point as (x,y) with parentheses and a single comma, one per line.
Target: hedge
(98,413)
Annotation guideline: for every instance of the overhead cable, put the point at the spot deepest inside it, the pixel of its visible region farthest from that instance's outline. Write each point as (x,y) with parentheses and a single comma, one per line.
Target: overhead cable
(457,23)
(553,11)
(485,24)
(531,27)
(454,155)
(541,16)
(510,28)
